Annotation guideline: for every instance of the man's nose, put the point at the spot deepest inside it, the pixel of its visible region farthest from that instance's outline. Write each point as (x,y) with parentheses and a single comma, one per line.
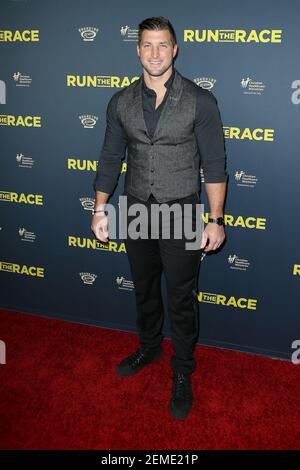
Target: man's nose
(155,53)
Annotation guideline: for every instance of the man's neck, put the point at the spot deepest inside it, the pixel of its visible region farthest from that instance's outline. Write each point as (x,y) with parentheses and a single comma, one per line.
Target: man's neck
(157,83)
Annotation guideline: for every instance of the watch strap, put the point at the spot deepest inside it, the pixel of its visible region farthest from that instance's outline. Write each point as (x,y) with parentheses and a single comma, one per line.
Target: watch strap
(216,220)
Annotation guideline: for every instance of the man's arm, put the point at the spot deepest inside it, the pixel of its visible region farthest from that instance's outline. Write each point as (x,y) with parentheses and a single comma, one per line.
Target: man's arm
(109,167)
(216,197)
(210,139)
(112,153)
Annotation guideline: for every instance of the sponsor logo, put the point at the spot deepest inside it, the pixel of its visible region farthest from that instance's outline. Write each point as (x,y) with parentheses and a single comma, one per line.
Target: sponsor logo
(88,121)
(238,263)
(26,236)
(205,82)
(88,33)
(129,34)
(88,278)
(244,179)
(252,87)
(24,161)
(21,79)
(124,284)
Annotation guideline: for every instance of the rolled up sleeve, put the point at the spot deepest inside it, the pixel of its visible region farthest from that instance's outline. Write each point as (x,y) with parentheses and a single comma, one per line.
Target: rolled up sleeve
(112,152)
(210,138)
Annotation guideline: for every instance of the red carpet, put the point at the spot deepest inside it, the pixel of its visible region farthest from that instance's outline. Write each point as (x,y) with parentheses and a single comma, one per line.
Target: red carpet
(59,391)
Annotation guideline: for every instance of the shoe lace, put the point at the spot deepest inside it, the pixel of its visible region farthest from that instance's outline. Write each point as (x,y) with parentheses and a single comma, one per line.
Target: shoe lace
(180,386)
(137,357)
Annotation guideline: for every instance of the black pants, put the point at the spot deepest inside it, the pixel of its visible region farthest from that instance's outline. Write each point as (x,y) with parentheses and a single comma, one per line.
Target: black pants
(147,259)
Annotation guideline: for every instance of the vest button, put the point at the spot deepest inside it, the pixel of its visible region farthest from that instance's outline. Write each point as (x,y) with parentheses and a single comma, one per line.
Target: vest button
(152,169)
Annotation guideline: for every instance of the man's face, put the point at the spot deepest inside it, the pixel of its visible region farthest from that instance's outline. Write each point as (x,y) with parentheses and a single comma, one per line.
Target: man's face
(156,51)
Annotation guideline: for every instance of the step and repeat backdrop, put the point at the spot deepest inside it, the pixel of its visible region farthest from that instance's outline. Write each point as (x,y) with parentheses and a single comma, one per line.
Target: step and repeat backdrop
(60,64)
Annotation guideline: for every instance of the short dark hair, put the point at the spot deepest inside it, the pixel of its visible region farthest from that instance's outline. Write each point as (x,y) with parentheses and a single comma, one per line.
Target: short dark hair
(157,23)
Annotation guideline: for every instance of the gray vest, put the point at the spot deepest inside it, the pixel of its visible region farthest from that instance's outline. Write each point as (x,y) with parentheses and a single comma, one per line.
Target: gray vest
(166,165)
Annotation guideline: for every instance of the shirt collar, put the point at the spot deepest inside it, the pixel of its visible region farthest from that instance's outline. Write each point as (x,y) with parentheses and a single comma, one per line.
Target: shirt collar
(167,84)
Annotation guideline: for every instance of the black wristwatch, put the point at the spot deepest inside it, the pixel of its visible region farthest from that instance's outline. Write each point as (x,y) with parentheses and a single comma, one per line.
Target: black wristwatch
(216,220)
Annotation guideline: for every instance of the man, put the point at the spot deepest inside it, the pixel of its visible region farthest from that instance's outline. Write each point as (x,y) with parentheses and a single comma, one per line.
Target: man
(168,124)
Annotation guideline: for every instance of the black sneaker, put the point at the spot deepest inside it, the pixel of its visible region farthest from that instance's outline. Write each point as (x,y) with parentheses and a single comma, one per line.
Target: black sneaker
(182,396)
(136,361)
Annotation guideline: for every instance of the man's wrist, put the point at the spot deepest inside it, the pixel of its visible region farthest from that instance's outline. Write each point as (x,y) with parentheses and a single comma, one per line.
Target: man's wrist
(216,220)
(99,209)
(99,205)
(99,212)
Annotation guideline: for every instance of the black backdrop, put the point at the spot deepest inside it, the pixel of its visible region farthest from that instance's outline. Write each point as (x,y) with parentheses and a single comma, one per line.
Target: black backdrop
(60,64)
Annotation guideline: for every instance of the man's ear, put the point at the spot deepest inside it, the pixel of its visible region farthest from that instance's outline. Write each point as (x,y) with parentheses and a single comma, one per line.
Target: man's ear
(138,50)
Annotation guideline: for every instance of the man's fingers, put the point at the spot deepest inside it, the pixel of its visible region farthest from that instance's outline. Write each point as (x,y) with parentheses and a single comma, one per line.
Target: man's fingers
(204,240)
(100,229)
(213,244)
(210,246)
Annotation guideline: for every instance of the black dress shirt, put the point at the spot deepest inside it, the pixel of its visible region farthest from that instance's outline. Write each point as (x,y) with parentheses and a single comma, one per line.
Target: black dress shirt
(208,131)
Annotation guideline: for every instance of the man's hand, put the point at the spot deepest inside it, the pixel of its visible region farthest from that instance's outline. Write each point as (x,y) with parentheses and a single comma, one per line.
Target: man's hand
(100,227)
(213,234)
